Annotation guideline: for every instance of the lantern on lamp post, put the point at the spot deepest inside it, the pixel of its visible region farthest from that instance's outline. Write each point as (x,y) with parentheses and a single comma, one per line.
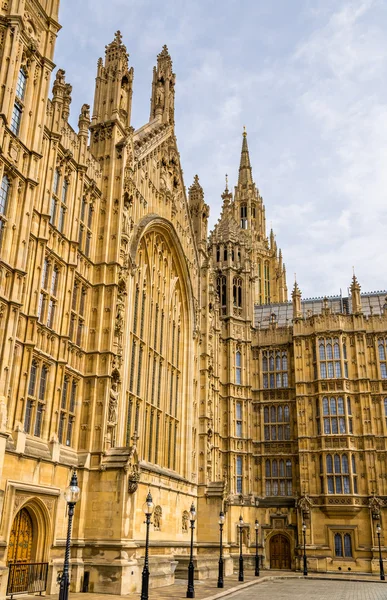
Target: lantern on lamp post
(72,494)
(147,508)
(191,568)
(221,568)
(240,574)
(256,526)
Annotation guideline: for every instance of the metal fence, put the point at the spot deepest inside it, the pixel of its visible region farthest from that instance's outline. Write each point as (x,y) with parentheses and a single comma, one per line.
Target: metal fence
(26,578)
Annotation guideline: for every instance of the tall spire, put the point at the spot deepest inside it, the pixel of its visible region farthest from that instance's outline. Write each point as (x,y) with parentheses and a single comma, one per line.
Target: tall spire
(245,175)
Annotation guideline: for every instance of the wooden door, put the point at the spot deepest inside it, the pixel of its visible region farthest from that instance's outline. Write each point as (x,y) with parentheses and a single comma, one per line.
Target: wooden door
(20,541)
(279,552)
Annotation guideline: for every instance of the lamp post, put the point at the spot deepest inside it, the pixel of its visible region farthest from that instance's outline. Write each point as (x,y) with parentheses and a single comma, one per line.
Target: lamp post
(220,572)
(148,508)
(304,557)
(191,568)
(71,495)
(256,525)
(240,575)
(378,531)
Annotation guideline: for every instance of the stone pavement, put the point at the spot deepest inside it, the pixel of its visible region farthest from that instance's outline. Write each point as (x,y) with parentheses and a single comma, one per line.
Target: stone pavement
(317,589)
(271,585)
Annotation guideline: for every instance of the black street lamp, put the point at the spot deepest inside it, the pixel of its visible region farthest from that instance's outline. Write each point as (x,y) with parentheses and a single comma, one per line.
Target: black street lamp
(191,568)
(256,525)
(304,557)
(240,574)
(71,495)
(220,572)
(378,531)
(148,508)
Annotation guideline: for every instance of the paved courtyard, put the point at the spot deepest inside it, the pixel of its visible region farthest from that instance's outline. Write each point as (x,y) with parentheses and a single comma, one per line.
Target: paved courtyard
(300,589)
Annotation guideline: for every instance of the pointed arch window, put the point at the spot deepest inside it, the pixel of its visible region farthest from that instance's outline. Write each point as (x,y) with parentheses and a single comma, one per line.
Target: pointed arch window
(4,193)
(332,358)
(243,213)
(239,474)
(266,272)
(237,292)
(77,319)
(336,414)
(158,354)
(275,369)
(340,475)
(67,410)
(277,422)
(278,477)
(238,419)
(222,292)
(19,100)
(21,84)
(382,348)
(238,367)
(63,205)
(343,545)
(4,196)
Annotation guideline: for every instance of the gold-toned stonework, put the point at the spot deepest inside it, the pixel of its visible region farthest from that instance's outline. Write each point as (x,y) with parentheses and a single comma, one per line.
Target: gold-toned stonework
(153,355)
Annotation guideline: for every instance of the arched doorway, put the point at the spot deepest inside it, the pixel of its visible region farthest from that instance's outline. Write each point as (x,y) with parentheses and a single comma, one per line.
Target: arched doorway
(280,552)
(21,538)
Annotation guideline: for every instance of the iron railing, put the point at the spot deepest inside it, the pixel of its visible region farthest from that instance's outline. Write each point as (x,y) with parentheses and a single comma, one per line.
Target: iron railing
(26,578)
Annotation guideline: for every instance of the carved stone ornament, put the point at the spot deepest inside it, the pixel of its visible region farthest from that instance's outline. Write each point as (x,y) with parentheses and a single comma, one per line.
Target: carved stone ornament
(133,479)
(304,504)
(374,504)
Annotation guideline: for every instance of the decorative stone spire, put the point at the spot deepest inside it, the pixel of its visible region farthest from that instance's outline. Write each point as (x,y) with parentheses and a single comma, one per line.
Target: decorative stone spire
(114,85)
(355,294)
(296,298)
(245,174)
(163,89)
(226,196)
(199,211)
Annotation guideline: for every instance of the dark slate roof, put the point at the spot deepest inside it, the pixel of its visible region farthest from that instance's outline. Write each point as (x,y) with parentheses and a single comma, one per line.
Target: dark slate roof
(372,303)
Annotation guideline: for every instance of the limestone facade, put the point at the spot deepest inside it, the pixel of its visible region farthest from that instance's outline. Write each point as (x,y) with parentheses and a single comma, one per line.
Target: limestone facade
(152,355)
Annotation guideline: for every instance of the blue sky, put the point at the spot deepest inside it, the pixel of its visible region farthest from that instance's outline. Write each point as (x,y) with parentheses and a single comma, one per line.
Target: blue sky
(308,78)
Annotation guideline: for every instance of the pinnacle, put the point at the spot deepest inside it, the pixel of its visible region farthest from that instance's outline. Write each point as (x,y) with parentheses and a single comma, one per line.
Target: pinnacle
(164,52)
(196,185)
(355,284)
(296,290)
(245,175)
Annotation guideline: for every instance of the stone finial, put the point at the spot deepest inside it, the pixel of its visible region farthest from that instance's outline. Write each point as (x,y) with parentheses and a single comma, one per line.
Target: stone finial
(296,298)
(355,296)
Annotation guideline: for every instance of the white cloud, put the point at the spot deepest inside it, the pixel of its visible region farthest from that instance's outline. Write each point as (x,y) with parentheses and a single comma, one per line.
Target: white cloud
(307,78)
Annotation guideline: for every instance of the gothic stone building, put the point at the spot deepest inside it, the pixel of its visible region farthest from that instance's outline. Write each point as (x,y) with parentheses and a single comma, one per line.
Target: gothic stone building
(151,355)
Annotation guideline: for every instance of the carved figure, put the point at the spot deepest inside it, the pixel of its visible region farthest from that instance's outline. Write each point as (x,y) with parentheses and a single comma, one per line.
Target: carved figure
(158,513)
(124,95)
(160,94)
(85,112)
(125,218)
(113,403)
(184,521)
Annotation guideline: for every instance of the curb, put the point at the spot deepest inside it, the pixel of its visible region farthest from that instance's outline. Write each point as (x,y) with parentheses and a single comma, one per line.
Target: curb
(248,584)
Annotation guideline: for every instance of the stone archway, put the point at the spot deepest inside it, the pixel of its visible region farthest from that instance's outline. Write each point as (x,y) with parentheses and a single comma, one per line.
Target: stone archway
(30,533)
(280,557)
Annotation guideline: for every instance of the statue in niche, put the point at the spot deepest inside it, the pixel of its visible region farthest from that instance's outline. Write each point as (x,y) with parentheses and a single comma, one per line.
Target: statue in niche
(124,95)
(125,215)
(160,94)
(157,518)
(184,522)
(113,405)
